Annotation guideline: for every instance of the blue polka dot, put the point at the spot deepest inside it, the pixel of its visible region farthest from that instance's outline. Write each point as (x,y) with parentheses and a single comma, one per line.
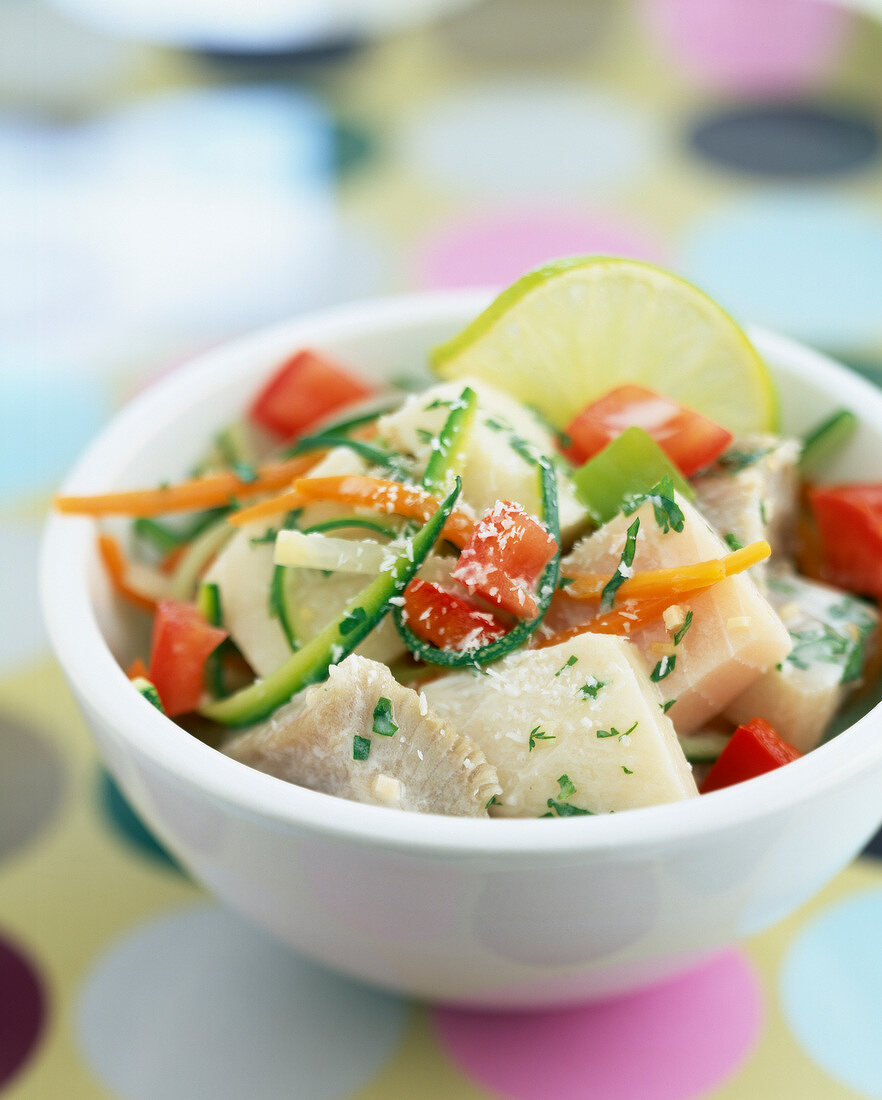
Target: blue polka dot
(831,988)
(45,421)
(807,264)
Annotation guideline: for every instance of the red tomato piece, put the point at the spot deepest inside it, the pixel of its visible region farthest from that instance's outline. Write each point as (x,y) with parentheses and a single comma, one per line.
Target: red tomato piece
(754,749)
(504,557)
(182,642)
(446,620)
(849,523)
(304,390)
(690,440)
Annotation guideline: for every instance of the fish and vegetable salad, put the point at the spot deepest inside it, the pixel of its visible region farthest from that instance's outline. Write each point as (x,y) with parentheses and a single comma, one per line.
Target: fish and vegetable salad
(578,573)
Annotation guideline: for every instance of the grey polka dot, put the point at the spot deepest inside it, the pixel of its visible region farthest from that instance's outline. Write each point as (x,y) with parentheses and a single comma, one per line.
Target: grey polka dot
(32,782)
(787,140)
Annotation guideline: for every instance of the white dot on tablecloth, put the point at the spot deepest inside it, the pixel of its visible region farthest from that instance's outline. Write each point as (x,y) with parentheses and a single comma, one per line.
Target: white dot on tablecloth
(528,138)
(198,1004)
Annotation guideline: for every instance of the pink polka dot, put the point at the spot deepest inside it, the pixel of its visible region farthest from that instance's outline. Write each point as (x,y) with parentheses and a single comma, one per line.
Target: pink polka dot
(752,46)
(672,1042)
(495,249)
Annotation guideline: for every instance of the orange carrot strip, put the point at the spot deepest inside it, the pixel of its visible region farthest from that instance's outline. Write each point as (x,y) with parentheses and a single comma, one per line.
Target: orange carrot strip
(656,583)
(137,670)
(115,564)
(622,621)
(390,497)
(189,496)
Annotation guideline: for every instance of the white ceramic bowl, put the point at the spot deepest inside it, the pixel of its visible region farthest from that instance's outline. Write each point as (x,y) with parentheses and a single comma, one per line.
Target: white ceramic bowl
(480,912)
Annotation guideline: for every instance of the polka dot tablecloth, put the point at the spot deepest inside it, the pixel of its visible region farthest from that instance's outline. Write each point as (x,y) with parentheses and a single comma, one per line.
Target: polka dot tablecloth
(153,202)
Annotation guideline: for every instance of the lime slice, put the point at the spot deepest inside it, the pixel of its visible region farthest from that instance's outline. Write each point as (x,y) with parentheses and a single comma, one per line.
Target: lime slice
(569,332)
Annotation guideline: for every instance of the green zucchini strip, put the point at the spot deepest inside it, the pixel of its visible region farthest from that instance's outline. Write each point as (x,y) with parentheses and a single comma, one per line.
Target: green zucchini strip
(310,664)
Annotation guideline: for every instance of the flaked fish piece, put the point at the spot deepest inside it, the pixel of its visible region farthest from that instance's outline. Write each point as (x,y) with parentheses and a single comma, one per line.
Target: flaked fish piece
(494,468)
(338,737)
(752,493)
(830,630)
(733,635)
(579,724)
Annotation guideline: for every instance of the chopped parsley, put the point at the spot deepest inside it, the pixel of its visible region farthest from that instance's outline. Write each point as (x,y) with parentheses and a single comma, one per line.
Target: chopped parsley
(498,424)
(439,403)
(623,569)
(732,541)
(561,805)
(564,809)
(568,663)
(567,787)
(681,633)
(613,732)
(762,511)
(668,514)
(737,459)
(667,706)
(627,771)
(361,747)
(352,620)
(591,687)
(492,801)
(269,535)
(823,643)
(538,734)
(664,668)
(424,435)
(383,723)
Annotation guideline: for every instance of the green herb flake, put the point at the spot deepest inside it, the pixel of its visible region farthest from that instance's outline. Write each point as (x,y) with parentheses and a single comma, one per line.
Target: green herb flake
(623,569)
(439,403)
(538,734)
(492,801)
(570,661)
(352,620)
(664,668)
(613,732)
(361,747)
(383,723)
(763,513)
(269,535)
(425,436)
(591,687)
(681,633)
(564,809)
(497,424)
(627,771)
(732,541)
(736,459)
(567,787)
(667,706)
(668,513)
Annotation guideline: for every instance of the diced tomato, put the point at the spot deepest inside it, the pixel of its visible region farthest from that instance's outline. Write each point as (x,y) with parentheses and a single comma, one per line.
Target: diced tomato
(446,620)
(304,390)
(182,642)
(755,748)
(849,525)
(504,557)
(690,440)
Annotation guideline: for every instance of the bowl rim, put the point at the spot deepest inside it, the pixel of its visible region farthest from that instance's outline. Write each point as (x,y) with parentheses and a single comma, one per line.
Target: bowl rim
(68,546)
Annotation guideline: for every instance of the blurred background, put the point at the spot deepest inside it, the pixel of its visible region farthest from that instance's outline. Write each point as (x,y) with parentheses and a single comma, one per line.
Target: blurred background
(176,172)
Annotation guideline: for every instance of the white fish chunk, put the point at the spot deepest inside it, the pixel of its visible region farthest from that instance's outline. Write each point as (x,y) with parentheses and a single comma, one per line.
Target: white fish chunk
(830,630)
(734,635)
(325,739)
(582,714)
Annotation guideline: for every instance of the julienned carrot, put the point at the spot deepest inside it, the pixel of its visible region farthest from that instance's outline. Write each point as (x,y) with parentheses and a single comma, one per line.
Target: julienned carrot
(622,621)
(118,570)
(390,497)
(658,583)
(189,496)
